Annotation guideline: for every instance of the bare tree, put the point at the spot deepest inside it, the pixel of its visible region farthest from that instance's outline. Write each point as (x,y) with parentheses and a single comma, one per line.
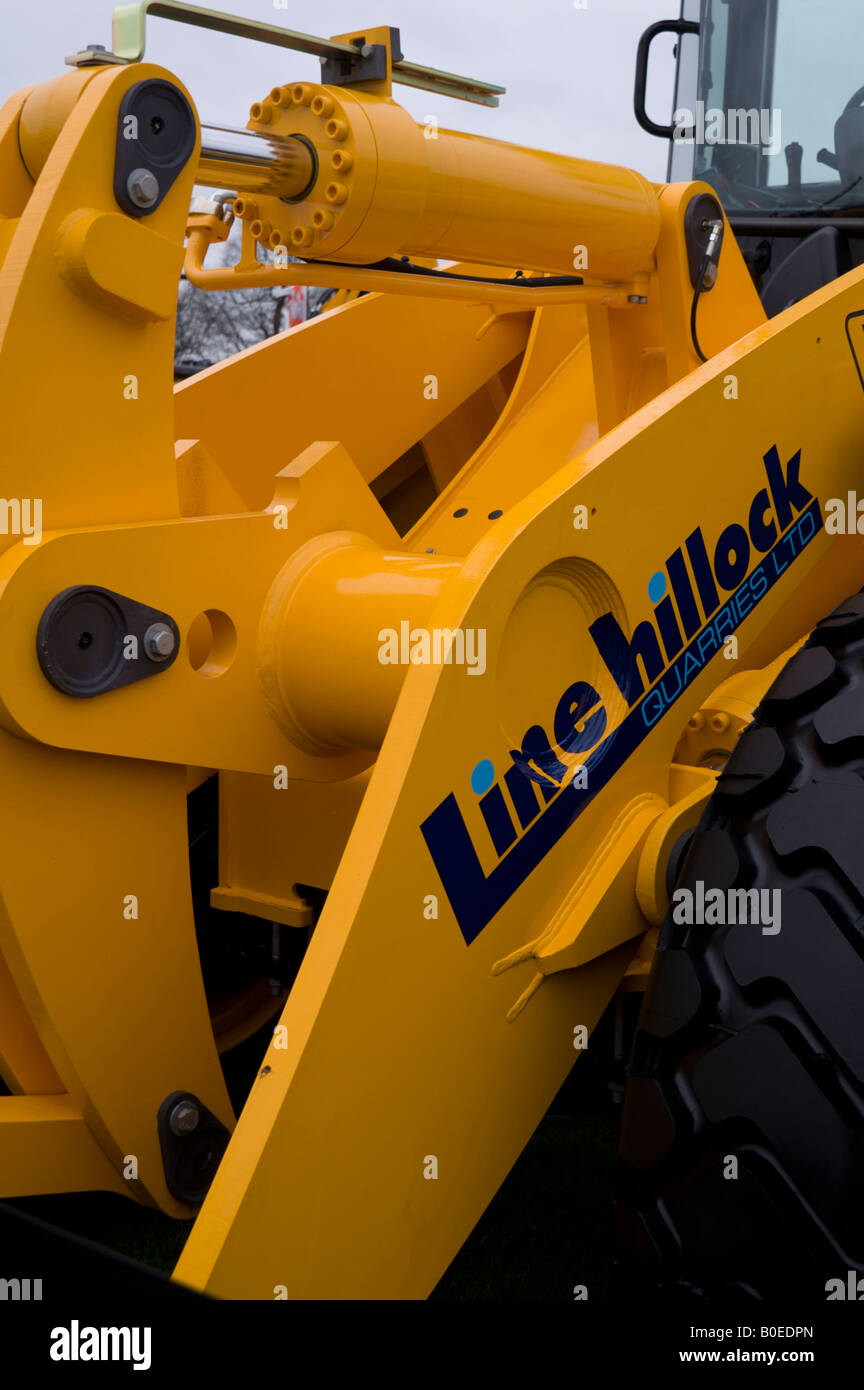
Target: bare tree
(214,325)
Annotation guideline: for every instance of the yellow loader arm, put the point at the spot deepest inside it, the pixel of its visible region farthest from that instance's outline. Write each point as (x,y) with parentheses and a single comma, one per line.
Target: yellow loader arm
(440,585)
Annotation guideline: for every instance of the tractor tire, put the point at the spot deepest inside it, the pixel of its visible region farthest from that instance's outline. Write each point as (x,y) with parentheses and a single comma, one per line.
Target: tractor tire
(741,1170)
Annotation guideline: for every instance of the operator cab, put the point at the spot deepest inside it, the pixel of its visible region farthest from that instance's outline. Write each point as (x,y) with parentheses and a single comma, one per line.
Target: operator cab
(768,111)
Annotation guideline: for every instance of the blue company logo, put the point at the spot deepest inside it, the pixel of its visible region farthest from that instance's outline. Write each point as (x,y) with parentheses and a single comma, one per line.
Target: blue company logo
(652,669)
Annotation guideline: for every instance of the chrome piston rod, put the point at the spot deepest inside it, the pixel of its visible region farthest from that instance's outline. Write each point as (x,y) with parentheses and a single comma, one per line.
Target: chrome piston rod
(246,162)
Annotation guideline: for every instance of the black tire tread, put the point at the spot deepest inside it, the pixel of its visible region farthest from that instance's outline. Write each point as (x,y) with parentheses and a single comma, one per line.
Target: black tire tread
(752,1045)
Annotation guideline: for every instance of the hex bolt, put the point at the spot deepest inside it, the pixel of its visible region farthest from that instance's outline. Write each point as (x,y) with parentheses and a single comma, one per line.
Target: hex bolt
(322,105)
(159,641)
(184,1118)
(143,188)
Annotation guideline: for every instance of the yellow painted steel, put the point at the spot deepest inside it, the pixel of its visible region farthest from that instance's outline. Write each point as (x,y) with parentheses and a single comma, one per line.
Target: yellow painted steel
(500,462)
(436,1032)
(384,187)
(114,1000)
(44,112)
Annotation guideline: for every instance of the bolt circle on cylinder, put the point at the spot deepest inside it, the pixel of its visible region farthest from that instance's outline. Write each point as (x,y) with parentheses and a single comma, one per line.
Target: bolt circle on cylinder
(336,195)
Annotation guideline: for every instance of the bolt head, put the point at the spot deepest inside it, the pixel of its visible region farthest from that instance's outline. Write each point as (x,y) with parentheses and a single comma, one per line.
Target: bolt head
(159,641)
(184,1118)
(208,206)
(143,188)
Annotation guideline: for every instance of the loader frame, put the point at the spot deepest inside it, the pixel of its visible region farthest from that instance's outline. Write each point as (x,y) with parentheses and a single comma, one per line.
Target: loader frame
(607,511)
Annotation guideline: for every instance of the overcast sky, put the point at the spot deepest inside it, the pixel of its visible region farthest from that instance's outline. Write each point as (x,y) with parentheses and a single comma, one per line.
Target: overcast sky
(568,70)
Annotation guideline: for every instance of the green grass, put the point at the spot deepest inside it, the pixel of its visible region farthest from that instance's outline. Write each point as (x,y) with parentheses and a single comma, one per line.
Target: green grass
(549,1227)
(121,1225)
